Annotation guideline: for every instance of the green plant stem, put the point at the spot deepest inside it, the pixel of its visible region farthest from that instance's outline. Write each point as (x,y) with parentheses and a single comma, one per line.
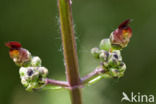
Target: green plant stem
(93,76)
(69,49)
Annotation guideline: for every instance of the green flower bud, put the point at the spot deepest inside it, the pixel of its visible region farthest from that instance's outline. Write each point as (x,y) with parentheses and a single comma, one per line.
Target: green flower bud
(104,55)
(36,61)
(95,52)
(114,58)
(105,44)
(113,62)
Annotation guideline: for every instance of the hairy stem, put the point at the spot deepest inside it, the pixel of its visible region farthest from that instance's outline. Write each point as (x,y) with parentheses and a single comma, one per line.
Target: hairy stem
(69,49)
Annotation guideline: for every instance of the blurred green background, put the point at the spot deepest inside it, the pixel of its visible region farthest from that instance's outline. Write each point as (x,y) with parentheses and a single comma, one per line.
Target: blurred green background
(34,23)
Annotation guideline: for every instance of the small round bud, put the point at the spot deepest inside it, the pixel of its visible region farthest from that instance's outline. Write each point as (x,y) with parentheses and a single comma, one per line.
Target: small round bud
(43,71)
(117,54)
(114,58)
(36,61)
(23,71)
(105,44)
(104,55)
(95,52)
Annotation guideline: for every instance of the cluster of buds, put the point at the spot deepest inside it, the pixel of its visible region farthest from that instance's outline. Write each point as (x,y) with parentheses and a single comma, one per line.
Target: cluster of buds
(32,73)
(109,51)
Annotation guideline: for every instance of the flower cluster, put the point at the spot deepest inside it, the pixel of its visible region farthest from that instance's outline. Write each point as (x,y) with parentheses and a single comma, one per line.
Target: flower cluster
(109,51)
(32,73)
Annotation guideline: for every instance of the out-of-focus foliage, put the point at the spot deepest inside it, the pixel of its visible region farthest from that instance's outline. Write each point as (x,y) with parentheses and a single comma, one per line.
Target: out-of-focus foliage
(34,23)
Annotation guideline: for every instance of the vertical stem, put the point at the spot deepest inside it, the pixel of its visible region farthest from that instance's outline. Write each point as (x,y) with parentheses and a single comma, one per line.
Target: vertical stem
(69,49)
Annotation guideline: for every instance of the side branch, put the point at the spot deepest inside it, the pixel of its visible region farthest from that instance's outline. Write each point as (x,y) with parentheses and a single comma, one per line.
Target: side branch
(93,75)
(57,83)
(85,80)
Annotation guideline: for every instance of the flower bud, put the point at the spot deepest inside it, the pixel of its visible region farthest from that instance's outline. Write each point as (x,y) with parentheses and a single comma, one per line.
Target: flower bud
(23,72)
(117,55)
(105,44)
(121,36)
(95,52)
(36,61)
(104,55)
(114,58)
(43,71)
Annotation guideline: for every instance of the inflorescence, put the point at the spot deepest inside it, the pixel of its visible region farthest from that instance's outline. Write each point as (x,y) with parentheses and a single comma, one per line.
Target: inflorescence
(31,71)
(109,51)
